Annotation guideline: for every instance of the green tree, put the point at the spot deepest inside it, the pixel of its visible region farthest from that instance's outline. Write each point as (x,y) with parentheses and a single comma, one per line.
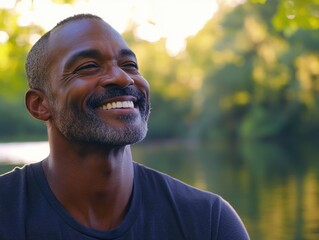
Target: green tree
(255,77)
(292,15)
(16,123)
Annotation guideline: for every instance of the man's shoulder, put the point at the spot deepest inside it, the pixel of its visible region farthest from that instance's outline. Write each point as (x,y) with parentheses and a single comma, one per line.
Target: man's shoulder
(198,211)
(12,188)
(15,183)
(177,188)
(12,183)
(13,176)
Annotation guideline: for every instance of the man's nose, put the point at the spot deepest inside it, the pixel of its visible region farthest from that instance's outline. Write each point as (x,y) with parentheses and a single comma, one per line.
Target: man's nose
(117,76)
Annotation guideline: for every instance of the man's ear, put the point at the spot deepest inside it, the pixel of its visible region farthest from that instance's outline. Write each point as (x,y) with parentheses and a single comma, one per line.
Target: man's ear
(37,104)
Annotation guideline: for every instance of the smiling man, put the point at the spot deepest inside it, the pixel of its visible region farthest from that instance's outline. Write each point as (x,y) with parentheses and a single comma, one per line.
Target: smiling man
(85,85)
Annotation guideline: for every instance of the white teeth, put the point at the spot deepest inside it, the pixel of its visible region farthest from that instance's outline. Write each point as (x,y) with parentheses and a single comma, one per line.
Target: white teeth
(113,105)
(125,104)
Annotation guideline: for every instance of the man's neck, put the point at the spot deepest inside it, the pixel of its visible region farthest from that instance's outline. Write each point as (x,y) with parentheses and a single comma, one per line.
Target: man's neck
(93,185)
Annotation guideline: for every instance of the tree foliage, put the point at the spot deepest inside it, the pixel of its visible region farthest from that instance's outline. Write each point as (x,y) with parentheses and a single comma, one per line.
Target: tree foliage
(259,85)
(15,122)
(292,15)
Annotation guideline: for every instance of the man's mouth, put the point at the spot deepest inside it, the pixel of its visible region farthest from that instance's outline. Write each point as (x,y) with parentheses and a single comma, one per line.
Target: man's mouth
(118,105)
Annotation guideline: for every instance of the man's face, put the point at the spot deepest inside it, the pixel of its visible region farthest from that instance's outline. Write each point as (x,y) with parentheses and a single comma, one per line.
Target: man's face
(96,92)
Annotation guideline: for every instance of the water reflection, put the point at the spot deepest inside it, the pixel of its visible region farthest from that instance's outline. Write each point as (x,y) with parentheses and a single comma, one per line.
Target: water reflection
(273,187)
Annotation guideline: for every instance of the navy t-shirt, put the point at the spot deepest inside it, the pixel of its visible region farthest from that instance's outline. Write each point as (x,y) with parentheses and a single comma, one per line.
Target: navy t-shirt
(161,207)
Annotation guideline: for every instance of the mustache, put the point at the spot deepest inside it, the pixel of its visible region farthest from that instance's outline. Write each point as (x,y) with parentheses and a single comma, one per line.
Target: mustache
(96,100)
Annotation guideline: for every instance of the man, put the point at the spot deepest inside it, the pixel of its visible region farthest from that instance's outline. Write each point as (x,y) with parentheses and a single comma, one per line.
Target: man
(85,85)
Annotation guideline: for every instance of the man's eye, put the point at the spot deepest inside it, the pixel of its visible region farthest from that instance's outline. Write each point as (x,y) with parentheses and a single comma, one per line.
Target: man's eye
(87,66)
(131,66)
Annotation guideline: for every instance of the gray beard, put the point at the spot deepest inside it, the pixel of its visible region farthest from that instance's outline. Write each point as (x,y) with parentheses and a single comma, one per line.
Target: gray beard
(88,128)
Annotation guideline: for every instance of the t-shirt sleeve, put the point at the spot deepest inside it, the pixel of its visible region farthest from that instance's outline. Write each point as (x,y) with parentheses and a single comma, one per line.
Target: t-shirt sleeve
(230,225)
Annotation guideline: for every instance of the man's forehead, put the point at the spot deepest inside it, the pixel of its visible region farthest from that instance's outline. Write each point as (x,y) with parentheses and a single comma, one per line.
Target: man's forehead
(83,27)
(84,32)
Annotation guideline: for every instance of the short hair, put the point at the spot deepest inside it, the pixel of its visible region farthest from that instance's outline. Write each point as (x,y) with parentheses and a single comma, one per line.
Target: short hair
(37,59)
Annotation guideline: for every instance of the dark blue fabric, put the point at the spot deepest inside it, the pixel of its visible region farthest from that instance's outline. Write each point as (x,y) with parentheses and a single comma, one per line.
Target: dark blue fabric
(161,208)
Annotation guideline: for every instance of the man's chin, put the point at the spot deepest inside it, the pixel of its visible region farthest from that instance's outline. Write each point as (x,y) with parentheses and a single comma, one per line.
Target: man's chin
(108,136)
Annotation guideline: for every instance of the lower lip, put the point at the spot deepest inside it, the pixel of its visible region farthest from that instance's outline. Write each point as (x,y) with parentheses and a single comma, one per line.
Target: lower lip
(120,110)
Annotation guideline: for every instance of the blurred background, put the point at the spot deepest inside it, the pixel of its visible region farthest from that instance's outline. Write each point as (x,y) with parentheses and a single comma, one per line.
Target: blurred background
(234,90)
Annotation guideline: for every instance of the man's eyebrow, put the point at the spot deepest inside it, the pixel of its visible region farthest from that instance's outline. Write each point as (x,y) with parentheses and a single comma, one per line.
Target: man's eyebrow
(127,52)
(94,53)
(89,53)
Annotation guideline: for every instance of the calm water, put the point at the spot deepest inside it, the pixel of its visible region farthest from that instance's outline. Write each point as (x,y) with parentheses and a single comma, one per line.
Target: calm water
(273,188)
